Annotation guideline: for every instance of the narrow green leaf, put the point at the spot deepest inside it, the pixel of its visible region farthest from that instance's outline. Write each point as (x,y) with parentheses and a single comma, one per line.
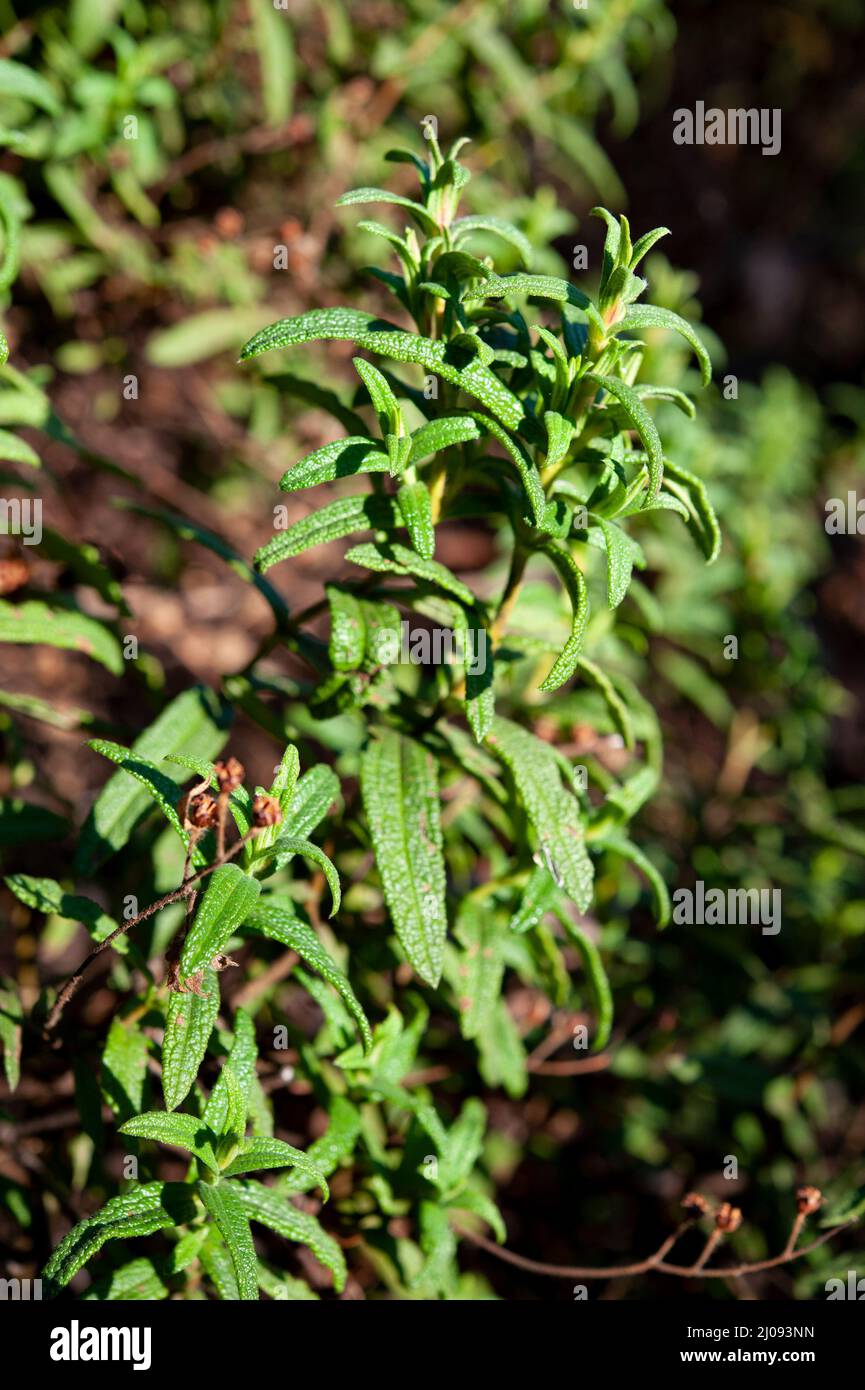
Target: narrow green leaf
(194,724)
(45,895)
(600,985)
(702,519)
(384,402)
(124,1068)
(399,782)
(157,785)
(327,1153)
(572,577)
(552,811)
(188,1026)
(619,844)
(264,1205)
(438,1243)
(440,434)
(287,846)
(182,1131)
(148,1207)
(415,506)
(38,623)
(481,968)
(464,1144)
(260,1153)
(645,243)
(135,1282)
(642,422)
(11,1032)
(191,531)
(420,214)
(19,80)
(277,918)
(529,475)
(311,800)
(275,46)
(224,1205)
(532,286)
(640,316)
(241,1067)
(344,458)
(622,553)
(501,1054)
(229,897)
(463,227)
(537,900)
(376,335)
(484,1207)
(330,523)
(347,644)
(397,559)
(615,704)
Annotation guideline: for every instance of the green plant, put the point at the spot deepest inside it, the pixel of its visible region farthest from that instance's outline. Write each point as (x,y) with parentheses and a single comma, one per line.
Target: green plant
(468,857)
(563,407)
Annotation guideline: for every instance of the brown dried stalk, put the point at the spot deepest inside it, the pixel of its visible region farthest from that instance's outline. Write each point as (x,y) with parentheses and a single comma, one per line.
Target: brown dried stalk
(725,1219)
(187,888)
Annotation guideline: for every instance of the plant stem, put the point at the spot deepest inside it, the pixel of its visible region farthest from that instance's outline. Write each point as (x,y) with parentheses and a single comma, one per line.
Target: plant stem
(184,891)
(652,1262)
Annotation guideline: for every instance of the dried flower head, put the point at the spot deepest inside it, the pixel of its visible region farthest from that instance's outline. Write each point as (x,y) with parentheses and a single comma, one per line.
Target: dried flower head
(199,809)
(728,1218)
(266,810)
(808,1200)
(229,774)
(695,1204)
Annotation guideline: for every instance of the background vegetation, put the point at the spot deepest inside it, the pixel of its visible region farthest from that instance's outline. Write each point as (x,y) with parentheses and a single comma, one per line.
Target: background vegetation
(149,262)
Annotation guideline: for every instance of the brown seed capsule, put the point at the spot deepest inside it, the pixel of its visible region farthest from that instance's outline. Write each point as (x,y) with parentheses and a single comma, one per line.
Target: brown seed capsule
(695,1204)
(200,810)
(728,1218)
(266,810)
(808,1200)
(229,774)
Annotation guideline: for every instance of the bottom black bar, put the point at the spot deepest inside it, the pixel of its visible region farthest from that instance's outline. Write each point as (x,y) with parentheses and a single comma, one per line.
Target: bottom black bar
(641,1337)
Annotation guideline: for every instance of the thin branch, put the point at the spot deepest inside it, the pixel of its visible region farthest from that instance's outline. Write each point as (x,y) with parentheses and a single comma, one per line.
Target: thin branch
(184,891)
(579,1067)
(651,1262)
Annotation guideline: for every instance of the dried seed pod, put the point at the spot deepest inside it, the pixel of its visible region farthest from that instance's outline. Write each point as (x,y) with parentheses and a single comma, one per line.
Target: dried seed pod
(200,810)
(229,774)
(728,1218)
(695,1204)
(266,811)
(808,1200)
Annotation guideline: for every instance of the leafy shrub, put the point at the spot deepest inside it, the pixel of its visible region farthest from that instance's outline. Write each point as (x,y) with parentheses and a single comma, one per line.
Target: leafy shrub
(548,433)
